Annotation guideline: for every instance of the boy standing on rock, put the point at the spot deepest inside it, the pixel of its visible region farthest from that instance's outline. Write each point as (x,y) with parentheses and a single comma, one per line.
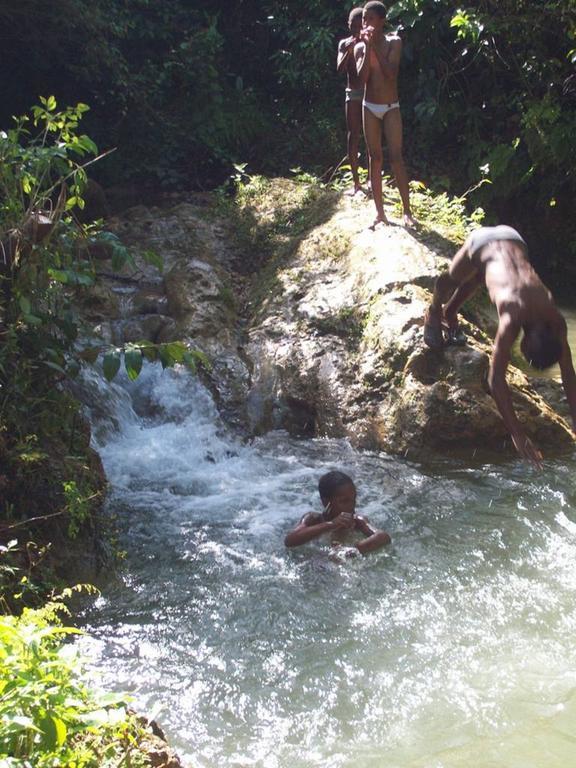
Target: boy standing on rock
(497,256)
(354,92)
(377,58)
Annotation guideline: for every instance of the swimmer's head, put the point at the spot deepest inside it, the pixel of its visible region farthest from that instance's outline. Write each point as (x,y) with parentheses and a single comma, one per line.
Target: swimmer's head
(541,345)
(355,21)
(337,490)
(374,14)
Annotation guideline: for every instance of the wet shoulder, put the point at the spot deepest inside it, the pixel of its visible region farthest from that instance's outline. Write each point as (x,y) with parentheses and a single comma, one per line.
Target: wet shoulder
(393,38)
(312,518)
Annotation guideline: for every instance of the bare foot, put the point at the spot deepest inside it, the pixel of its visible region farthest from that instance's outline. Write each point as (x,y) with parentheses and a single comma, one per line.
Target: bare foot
(433,336)
(379,221)
(409,221)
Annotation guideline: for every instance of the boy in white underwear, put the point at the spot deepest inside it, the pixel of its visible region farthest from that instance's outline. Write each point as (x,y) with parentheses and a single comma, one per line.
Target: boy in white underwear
(354,92)
(377,59)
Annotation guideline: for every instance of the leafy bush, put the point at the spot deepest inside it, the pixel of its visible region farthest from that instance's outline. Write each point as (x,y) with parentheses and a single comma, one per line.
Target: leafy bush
(48,715)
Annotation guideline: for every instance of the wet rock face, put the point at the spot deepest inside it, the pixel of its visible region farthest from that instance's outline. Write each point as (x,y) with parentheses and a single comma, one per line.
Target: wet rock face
(330,339)
(191,299)
(345,344)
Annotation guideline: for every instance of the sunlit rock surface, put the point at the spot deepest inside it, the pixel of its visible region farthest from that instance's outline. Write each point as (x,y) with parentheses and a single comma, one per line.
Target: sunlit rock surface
(338,348)
(320,331)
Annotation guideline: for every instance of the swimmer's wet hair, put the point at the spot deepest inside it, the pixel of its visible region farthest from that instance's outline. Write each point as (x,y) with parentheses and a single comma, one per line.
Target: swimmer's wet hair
(331,481)
(541,346)
(377,7)
(354,13)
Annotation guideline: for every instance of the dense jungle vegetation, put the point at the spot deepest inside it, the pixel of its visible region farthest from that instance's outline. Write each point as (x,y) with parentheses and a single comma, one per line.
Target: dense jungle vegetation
(184,89)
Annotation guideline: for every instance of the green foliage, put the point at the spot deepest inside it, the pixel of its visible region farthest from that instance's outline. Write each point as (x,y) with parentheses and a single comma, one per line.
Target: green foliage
(48,715)
(77,506)
(49,251)
(19,586)
(441,212)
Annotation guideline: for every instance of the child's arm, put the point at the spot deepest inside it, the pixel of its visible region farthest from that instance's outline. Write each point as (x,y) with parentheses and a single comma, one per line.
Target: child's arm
(345,48)
(362,61)
(311,527)
(374,538)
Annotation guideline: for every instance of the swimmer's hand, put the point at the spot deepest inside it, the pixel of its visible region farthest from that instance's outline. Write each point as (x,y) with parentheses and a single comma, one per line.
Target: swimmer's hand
(344,522)
(527,449)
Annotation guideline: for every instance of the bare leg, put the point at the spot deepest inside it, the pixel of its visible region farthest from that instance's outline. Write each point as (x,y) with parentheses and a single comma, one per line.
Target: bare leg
(452,288)
(354,125)
(373,137)
(393,133)
(460,295)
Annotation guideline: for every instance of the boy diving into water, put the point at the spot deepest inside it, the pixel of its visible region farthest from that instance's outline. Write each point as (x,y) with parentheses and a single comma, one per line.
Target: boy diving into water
(497,256)
(377,59)
(354,91)
(339,519)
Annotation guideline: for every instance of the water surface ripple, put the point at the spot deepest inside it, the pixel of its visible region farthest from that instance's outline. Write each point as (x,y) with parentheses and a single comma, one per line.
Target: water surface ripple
(455,647)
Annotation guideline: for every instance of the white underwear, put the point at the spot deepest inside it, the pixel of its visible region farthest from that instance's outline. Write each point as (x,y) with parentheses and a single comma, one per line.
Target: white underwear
(379,110)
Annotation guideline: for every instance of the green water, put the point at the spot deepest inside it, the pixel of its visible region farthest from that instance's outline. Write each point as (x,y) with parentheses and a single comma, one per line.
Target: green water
(453,648)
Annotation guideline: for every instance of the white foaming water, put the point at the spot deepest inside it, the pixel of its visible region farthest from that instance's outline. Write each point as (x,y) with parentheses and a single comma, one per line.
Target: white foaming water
(453,648)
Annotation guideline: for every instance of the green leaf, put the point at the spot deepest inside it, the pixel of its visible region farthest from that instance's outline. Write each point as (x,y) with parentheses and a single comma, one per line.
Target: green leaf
(190,362)
(95,719)
(111,699)
(150,352)
(71,276)
(165,357)
(86,143)
(90,354)
(54,366)
(176,350)
(32,320)
(54,730)
(25,305)
(60,275)
(121,256)
(153,258)
(133,363)
(51,103)
(111,364)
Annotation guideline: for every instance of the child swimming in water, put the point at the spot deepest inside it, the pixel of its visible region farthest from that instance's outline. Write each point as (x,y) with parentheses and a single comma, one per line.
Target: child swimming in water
(339,519)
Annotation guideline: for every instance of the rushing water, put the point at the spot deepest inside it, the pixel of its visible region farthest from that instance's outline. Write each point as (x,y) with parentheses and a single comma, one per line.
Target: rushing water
(454,647)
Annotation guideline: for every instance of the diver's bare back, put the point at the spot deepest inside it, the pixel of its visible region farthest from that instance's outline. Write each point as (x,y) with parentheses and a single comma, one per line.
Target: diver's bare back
(381,89)
(512,283)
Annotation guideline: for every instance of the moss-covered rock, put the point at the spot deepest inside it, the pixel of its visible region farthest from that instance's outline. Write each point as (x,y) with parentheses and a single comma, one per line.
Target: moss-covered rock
(337,335)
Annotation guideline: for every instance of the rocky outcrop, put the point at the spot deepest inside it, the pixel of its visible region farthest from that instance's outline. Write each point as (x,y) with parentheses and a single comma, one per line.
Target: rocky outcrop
(324,337)
(337,348)
(192,298)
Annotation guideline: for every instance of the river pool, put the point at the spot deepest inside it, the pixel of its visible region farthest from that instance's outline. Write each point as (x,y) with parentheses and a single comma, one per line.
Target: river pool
(452,648)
